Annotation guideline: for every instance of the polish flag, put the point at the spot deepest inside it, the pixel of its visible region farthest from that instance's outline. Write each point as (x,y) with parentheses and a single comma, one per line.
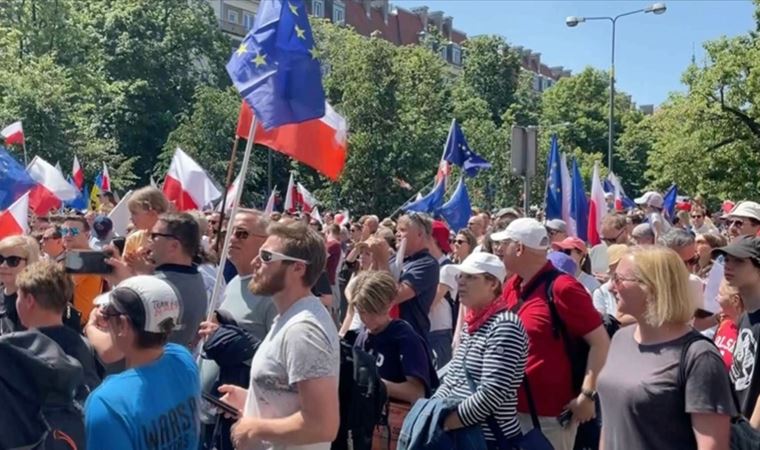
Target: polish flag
(105,184)
(342,218)
(13,221)
(187,185)
(597,208)
(316,215)
(308,202)
(77,174)
(269,209)
(290,196)
(231,195)
(51,190)
(318,143)
(13,133)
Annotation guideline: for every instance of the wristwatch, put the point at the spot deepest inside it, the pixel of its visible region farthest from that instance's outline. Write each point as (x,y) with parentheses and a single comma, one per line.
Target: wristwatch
(589,394)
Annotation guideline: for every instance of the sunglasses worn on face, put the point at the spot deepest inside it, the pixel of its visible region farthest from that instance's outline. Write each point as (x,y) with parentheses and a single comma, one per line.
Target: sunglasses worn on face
(269,256)
(613,239)
(735,223)
(73,232)
(154,236)
(696,216)
(11,261)
(459,241)
(242,235)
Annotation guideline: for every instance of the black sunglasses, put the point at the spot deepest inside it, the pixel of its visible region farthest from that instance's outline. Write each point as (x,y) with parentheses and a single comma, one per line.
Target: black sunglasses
(612,240)
(12,261)
(153,236)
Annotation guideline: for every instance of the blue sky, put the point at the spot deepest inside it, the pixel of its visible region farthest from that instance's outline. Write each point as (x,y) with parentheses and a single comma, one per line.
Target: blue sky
(652,51)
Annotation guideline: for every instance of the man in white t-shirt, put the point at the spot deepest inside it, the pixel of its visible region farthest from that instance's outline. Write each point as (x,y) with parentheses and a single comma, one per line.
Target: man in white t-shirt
(652,203)
(292,400)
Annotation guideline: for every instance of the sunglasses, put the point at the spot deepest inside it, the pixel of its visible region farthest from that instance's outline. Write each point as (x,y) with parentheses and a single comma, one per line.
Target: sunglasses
(73,232)
(735,223)
(268,256)
(154,236)
(11,261)
(458,241)
(696,216)
(242,235)
(612,240)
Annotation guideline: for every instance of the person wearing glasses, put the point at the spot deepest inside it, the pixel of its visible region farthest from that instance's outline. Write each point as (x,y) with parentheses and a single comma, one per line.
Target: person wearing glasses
(700,223)
(51,243)
(744,220)
(640,384)
(683,243)
(76,237)
(614,229)
(556,229)
(16,252)
(292,398)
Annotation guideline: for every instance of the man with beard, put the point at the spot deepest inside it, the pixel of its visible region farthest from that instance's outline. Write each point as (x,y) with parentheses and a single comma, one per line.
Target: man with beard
(292,399)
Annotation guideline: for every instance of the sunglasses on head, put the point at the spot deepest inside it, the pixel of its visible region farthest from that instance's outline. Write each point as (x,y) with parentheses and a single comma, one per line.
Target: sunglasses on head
(11,261)
(269,256)
(73,232)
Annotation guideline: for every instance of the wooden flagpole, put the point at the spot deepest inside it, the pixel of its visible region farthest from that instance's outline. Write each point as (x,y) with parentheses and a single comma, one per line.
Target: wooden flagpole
(227,184)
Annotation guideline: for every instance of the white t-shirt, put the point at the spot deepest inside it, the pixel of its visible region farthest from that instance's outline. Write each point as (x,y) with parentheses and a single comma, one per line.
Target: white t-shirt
(705,229)
(604,300)
(589,282)
(659,224)
(301,345)
(440,313)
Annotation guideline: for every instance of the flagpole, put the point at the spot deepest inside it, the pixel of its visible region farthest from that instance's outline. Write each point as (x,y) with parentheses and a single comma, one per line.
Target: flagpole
(23,146)
(269,173)
(230,167)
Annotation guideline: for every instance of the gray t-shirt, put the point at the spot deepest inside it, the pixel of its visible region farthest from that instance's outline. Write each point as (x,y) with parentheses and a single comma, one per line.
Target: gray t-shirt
(192,299)
(643,408)
(301,345)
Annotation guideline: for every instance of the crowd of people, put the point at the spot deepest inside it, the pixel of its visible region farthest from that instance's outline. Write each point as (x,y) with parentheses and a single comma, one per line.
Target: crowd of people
(508,334)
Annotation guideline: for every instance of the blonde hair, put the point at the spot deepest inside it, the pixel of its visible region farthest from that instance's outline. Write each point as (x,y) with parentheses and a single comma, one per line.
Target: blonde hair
(49,283)
(372,292)
(666,280)
(148,199)
(29,248)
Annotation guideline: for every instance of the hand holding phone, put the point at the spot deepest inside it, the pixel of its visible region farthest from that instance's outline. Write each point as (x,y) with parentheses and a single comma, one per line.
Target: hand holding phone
(225,408)
(87,261)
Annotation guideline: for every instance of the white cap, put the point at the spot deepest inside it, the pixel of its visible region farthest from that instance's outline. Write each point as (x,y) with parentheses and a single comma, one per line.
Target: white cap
(557,224)
(477,263)
(529,232)
(651,198)
(159,302)
(746,209)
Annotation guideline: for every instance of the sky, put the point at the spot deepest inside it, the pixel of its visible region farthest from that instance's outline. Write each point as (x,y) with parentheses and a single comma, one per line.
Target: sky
(651,51)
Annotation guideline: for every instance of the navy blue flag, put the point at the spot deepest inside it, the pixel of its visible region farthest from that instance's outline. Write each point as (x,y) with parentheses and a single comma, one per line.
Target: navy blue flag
(669,202)
(81,202)
(459,153)
(579,204)
(14,181)
(554,183)
(431,202)
(457,210)
(275,68)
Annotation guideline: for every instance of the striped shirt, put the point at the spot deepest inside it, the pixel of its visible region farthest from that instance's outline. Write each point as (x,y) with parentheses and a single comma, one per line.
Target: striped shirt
(495,355)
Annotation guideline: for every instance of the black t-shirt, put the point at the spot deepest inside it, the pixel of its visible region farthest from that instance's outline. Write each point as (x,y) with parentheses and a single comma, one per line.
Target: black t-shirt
(421,272)
(744,370)
(9,321)
(322,287)
(75,345)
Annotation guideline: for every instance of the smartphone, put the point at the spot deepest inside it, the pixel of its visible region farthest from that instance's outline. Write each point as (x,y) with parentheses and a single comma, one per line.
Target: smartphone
(565,418)
(223,407)
(119,242)
(87,261)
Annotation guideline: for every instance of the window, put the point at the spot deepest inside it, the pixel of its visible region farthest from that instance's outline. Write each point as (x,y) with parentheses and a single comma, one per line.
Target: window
(318,8)
(536,82)
(339,14)
(232,16)
(456,55)
(248,20)
(443,52)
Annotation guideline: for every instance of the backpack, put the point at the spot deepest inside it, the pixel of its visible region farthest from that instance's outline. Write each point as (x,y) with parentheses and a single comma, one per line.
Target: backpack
(362,399)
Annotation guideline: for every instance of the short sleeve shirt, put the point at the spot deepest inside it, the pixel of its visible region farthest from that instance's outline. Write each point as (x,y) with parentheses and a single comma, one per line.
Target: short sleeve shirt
(421,272)
(301,345)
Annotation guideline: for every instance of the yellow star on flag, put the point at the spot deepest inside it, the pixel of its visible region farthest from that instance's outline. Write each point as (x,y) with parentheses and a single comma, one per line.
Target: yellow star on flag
(313,52)
(243,49)
(259,60)
(293,8)
(300,32)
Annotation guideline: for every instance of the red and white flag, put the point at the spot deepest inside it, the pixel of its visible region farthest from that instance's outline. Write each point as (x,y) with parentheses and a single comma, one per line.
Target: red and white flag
(269,209)
(187,185)
(342,218)
(105,184)
(597,208)
(77,174)
(290,196)
(13,221)
(13,133)
(318,143)
(51,190)
(231,195)
(316,215)
(307,201)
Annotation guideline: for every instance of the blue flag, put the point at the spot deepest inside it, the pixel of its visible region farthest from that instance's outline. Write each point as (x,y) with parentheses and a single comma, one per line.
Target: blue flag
(579,204)
(431,202)
(80,203)
(458,152)
(275,70)
(554,183)
(669,202)
(457,210)
(14,181)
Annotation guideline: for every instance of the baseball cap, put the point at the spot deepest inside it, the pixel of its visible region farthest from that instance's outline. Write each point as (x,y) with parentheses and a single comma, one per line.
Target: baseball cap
(148,302)
(477,263)
(557,225)
(529,232)
(746,209)
(746,247)
(507,212)
(563,262)
(651,198)
(615,253)
(102,225)
(570,243)
(441,235)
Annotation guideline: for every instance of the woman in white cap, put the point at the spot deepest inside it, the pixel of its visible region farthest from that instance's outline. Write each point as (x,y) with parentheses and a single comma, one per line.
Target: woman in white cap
(652,203)
(489,363)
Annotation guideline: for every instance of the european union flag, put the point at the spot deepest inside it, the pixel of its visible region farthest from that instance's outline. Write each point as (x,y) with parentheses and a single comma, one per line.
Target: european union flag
(80,202)
(275,68)
(669,202)
(14,181)
(457,210)
(431,202)
(579,204)
(554,183)
(459,153)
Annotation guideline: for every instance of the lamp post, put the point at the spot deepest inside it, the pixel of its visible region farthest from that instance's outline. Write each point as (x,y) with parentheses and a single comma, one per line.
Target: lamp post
(572,21)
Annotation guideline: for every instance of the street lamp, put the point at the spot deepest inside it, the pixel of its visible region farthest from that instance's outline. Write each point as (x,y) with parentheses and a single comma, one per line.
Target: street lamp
(573,21)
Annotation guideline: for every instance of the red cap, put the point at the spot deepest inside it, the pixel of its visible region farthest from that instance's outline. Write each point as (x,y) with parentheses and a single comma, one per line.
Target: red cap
(441,236)
(570,243)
